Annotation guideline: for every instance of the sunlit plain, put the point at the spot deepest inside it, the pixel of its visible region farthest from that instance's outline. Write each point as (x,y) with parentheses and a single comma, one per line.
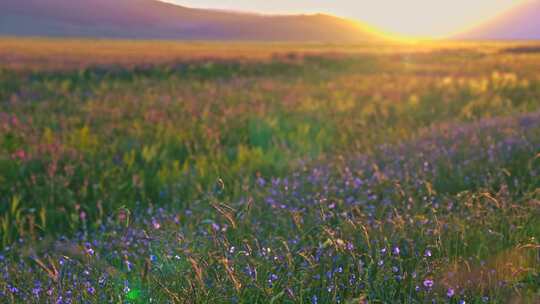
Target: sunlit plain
(164,172)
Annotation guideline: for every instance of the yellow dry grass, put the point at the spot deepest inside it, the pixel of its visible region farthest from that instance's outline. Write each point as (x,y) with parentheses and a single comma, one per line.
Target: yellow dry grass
(60,54)
(509,266)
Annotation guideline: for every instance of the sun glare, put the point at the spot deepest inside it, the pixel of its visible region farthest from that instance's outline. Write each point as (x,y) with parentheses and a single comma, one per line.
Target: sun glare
(428,18)
(411,18)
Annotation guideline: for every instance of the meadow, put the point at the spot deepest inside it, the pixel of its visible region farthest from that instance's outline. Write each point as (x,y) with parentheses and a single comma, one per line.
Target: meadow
(162,172)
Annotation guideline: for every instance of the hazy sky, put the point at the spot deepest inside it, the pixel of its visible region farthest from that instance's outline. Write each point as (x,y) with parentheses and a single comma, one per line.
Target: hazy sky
(428,18)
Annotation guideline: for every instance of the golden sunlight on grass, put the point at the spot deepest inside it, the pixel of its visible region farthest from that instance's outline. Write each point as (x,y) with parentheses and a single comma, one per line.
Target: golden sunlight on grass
(510,266)
(61,54)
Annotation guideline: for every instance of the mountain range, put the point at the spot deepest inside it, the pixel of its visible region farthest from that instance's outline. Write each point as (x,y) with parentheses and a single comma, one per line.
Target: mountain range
(152,19)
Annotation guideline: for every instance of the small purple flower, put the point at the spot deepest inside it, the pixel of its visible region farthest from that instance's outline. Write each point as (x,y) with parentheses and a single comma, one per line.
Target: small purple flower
(396,250)
(129,265)
(352,279)
(13,289)
(428,283)
(250,272)
(91,290)
(428,253)
(314,300)
(126,286)
(272,278)
(450,293)
(329,275)
(88,248)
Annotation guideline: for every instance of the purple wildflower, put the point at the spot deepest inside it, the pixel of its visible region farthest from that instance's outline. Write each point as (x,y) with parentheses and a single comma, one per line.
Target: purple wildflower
(156,224)
(13,289)
(126,286)
(272,278)
(428,283)
(129,265)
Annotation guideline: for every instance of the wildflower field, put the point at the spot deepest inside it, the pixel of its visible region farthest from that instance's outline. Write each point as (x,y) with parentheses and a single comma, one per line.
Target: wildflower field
(161,172)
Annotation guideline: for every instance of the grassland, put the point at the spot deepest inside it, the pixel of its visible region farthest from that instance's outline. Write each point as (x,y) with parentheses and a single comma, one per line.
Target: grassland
(161,172)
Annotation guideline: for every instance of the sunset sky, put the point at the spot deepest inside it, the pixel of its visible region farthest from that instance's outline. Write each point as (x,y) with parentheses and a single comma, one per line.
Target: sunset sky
(419,18)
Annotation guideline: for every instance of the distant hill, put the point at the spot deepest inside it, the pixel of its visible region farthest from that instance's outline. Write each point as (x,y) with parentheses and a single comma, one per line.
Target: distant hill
(520,23)
(151,19)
